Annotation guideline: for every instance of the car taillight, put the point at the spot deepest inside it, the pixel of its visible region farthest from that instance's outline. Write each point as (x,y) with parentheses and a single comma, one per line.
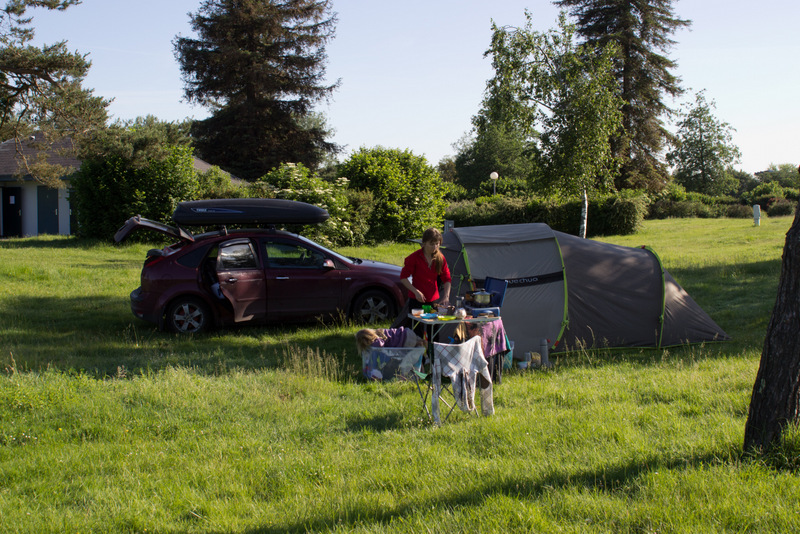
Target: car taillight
(149,261)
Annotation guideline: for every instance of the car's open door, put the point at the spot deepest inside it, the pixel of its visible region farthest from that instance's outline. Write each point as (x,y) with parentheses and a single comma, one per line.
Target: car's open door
(241,280)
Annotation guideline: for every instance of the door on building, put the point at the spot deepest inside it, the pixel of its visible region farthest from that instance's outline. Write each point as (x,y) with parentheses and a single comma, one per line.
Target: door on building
(47,205)
(12,212)
(73,216)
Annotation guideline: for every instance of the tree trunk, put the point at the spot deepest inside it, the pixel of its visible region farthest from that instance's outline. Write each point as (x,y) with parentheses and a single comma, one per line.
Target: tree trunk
(584,215)
(774,402)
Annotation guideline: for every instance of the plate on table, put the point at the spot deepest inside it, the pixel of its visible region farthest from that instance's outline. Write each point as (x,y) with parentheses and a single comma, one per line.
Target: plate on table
(429,316)
(446,317)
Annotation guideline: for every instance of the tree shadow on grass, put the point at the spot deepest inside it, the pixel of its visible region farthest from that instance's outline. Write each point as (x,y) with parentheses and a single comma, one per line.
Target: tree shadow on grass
(524,487)
(98,336)
(52,242)
(378,423)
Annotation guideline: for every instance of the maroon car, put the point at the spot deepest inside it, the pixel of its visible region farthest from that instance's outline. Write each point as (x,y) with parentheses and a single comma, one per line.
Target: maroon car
(227,277)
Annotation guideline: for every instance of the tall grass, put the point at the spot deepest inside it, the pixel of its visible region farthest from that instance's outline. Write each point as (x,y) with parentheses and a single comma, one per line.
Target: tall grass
(107,425)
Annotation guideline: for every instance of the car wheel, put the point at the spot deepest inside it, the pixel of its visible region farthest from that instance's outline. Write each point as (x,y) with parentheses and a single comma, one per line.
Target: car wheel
(188,315)
(373,307)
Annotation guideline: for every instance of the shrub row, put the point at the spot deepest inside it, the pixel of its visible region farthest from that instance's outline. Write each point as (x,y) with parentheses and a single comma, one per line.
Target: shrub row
(618,214)
(608,215)
(664,209)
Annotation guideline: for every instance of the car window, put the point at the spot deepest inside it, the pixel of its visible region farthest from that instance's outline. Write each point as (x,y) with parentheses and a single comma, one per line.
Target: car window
(292,256)
(192,259)
(236,255)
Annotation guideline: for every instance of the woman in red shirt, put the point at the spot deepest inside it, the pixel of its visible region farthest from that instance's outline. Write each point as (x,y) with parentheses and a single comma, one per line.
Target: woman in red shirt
(424,269)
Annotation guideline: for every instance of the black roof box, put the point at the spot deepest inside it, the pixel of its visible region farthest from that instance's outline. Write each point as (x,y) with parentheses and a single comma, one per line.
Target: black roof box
(247,211)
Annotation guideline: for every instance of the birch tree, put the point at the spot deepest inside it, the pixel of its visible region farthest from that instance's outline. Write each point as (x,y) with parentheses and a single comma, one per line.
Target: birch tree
(562,95)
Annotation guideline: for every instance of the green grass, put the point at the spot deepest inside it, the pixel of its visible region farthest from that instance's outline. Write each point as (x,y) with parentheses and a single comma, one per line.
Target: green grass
(107,425)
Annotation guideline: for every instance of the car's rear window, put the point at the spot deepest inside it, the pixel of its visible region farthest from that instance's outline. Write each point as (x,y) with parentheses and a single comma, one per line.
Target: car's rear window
(193,258)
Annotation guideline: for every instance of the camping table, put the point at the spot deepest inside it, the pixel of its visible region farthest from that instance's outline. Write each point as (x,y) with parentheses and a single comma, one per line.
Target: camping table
(433,327)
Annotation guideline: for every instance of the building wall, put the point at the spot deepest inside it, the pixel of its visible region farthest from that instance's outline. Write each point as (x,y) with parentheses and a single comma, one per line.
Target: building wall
(30,208)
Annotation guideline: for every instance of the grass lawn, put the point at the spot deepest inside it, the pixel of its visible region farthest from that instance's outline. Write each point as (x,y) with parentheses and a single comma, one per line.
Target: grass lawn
(107,425)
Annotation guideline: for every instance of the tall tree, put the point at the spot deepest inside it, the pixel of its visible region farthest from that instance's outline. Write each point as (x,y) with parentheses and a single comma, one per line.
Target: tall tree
(784,173)
(641,30)
(704,152)
(775,401)
(492,148)
(567,94)
(40,91)
(260,66)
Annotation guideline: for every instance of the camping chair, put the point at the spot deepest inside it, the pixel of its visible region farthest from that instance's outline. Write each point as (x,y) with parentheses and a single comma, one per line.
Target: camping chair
(466,367)
(401,363)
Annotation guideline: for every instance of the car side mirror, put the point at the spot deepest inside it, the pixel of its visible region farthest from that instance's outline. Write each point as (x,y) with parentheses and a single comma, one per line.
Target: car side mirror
(328,264)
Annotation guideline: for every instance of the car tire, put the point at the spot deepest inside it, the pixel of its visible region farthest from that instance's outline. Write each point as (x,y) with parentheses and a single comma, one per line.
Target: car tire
(188,315)
(373,307)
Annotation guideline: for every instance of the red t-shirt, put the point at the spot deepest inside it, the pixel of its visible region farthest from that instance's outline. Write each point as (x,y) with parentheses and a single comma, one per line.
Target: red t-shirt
(424,277)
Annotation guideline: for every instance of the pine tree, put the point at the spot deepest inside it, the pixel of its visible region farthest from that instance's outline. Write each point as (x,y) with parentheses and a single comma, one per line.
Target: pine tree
(41,92)
(260,66)
(641,30)
(704,152)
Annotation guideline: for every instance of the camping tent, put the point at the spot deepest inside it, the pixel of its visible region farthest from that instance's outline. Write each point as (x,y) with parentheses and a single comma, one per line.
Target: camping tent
(576,292)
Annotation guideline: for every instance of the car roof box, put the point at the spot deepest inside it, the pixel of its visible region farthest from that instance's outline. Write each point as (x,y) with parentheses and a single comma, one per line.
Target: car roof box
(247,211)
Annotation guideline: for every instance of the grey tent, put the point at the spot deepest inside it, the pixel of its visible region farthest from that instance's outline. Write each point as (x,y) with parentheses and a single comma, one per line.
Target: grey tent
(576,292)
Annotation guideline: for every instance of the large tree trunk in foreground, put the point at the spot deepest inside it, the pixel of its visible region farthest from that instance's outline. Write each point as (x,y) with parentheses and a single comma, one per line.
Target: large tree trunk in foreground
(774,403)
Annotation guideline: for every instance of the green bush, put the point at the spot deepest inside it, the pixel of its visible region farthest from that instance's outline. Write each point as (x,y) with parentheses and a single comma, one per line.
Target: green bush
(215,183)
(665,208)
(109,189)
(359,213)
(768,193)
(293,181)
(620,214)
(738,211)
(454,192)
(407,192)
(781,207)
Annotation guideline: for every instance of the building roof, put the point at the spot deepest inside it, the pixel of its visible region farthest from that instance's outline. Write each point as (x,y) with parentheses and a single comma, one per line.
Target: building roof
(11,154)
(12,168)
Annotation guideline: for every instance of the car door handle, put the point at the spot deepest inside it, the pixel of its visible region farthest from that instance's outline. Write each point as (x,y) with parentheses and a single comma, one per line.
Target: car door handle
(281,278)
(232,280)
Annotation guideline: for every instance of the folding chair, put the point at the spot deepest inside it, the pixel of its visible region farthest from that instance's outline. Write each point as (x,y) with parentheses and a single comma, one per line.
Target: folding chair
(464,364)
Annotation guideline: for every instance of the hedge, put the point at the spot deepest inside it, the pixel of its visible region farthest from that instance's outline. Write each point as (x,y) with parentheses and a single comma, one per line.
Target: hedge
(609,215)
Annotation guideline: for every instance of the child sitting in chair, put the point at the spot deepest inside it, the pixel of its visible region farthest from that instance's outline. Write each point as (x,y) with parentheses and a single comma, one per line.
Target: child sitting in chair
(376,365)
(387,337)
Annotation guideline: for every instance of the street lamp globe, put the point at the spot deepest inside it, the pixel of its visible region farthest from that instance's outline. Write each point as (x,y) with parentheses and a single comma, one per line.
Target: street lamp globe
(494,176)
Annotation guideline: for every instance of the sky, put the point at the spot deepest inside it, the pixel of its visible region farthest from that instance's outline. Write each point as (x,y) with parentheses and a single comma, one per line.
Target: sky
(412,73)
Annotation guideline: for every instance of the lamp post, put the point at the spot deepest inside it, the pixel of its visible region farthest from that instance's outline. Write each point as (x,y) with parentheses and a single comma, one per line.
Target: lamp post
(494,176)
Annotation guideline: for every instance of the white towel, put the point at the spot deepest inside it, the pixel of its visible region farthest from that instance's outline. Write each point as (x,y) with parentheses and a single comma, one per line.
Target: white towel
(462,364)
